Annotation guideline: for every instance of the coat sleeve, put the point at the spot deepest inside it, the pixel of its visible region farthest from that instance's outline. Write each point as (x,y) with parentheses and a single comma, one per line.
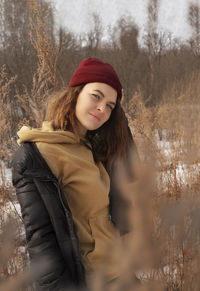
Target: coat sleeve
(42,245)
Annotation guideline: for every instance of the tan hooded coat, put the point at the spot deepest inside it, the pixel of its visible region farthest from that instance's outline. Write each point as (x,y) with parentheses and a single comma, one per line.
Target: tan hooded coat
(86,185)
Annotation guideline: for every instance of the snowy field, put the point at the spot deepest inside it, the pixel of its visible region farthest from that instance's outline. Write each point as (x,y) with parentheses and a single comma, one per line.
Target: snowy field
(6,174)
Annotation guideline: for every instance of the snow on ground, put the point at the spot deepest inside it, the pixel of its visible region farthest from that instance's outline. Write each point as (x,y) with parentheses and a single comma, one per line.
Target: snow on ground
(10,208)
(6,174)
(11,212)
(13,208)
(182,175)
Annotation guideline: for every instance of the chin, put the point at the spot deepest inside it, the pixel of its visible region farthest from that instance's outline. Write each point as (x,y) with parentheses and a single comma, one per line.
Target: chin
(93,127)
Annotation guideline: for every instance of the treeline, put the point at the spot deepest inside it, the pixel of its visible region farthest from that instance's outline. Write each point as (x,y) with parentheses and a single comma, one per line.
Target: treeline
(151,69)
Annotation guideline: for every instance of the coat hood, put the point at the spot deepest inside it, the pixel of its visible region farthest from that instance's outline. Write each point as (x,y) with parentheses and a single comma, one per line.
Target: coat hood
(46,134)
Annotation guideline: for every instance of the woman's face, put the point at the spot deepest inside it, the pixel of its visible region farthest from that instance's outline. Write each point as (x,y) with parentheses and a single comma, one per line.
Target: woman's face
(94,106)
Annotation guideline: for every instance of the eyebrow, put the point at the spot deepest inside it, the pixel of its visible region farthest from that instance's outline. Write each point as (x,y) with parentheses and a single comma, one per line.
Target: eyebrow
(113,103)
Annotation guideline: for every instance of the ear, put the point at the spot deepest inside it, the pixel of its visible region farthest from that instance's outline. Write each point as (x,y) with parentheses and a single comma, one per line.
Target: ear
(122,99)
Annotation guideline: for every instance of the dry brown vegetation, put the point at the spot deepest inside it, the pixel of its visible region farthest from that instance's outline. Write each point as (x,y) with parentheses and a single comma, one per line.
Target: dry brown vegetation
(162,86)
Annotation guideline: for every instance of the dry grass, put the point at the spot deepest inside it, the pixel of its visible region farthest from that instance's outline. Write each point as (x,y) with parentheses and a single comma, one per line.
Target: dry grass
(163,248)
(13,253)
(168,141)
(48,53)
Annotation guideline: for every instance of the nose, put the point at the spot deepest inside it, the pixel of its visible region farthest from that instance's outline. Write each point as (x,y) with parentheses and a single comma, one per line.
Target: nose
(101,108)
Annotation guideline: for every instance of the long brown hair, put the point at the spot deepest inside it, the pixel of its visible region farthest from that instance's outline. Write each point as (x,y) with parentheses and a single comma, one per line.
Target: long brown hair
(108,142)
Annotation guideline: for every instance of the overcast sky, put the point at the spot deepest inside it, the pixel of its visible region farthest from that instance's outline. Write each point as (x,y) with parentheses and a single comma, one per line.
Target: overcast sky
(76,15)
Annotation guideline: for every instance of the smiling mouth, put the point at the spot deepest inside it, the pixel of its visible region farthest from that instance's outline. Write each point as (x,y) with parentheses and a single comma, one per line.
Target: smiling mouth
(96,117)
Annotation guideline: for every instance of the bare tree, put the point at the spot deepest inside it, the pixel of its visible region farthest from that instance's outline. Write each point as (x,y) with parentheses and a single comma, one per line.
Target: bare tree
(194,20)
(156,43)
(122,51)
(93,38)
(17,51)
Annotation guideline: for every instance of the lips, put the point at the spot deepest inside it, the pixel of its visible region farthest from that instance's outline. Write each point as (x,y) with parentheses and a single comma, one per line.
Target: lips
(95,116)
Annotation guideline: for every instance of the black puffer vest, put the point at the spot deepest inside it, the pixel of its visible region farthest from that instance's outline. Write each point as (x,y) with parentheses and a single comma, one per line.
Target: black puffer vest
(48,222)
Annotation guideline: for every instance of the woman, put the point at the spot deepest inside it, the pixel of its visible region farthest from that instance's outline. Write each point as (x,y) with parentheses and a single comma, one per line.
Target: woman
(62,174)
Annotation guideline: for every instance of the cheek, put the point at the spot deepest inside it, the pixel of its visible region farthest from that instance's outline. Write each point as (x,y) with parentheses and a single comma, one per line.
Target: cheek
(107,116)
(78,111)
(79,105)
(83,103)
(82,109)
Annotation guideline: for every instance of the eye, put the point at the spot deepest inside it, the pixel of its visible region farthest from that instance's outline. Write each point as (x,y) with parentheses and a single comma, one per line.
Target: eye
(96,96)
(110,107)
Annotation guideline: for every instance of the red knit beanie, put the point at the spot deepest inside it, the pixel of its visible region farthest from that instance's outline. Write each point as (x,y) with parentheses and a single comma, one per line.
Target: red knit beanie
(94,70)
